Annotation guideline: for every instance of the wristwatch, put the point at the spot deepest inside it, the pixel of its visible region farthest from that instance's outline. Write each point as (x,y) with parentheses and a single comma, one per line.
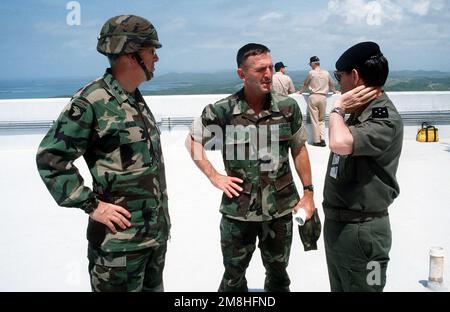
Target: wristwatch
(89,205)
(338,110)
(309,188)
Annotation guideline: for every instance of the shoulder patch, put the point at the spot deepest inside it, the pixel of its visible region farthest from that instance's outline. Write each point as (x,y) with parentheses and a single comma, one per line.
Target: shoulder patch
(380,112)
(76,111)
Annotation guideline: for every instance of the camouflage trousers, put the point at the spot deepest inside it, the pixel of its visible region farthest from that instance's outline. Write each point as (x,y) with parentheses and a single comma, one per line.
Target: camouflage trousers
(139,270)
(238,242)
(357,254)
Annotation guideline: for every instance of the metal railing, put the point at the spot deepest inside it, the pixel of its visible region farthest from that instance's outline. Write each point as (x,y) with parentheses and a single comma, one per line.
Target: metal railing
(168,123)
(411,117)
(28,125)
(417,117)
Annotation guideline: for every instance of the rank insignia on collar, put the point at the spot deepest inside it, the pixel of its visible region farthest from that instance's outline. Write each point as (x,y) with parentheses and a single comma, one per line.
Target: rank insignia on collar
(380,112)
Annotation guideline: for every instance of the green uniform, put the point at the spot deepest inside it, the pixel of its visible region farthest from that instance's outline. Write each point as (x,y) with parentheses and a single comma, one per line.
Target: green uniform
(358,190)
(117,135)
(264,207)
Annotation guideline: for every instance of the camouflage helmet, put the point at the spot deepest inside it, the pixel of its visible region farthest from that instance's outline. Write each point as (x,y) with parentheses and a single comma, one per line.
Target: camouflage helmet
(125,34)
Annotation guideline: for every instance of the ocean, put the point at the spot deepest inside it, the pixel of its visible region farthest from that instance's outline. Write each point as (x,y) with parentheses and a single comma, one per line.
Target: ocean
(223,82)
(65,87)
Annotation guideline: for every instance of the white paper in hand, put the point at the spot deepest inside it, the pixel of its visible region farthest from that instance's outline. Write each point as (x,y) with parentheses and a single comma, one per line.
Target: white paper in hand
(300,216)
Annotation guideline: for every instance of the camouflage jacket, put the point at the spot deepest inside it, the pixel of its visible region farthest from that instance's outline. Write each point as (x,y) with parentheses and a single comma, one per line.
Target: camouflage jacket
(117,135)
(255,148)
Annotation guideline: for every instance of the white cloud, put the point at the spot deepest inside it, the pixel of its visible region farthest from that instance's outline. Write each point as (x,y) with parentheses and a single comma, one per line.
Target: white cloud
(62,29)
(421,7)
(176,24)
(380,12)
(80,40)
(361,11)
(438,5)
(271,16)
(50,28)
(82,47)
(212,45)
(350,10)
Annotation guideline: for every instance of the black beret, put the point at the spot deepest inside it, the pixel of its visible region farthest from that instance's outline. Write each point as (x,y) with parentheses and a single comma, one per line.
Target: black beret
(357,55)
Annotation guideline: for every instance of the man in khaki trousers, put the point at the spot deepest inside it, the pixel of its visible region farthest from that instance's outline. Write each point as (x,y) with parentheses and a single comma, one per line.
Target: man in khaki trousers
(319,82)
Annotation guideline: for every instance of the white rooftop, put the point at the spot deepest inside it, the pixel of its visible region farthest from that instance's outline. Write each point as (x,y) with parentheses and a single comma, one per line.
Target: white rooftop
(44,246)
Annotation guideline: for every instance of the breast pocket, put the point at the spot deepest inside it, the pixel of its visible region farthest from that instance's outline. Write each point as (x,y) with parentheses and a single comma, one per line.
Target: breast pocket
(134,150)
(240,146)
(285,133)
(278,145)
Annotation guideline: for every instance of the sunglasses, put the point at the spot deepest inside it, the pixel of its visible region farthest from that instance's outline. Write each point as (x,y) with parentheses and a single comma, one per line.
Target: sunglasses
(338,75)
(151,50)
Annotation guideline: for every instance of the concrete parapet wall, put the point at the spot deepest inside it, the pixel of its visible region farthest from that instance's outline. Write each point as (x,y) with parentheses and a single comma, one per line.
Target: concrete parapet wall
(410,104)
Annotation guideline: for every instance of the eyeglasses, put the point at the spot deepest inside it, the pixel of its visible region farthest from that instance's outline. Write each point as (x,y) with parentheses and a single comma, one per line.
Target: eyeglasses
(338,75)
(150,50)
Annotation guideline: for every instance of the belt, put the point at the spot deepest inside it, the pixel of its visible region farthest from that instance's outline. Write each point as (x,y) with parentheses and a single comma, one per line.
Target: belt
(108,196)
(341,215)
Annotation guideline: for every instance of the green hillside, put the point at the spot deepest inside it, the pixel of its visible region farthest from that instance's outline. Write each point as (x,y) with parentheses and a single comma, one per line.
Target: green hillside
(226,82)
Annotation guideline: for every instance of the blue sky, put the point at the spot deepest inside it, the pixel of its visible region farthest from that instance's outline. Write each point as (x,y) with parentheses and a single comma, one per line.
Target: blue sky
(204,35)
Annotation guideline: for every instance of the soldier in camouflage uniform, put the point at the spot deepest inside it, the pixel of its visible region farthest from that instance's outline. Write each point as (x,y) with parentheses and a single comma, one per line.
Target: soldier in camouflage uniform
(259,191)
(110,125)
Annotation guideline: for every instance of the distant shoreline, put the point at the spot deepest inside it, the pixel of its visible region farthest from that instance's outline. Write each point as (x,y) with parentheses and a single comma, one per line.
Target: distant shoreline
(224,82)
